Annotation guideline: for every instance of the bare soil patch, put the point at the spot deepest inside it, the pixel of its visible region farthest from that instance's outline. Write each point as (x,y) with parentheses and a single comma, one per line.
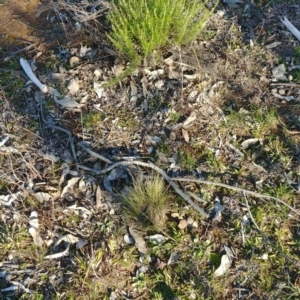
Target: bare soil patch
(19,24)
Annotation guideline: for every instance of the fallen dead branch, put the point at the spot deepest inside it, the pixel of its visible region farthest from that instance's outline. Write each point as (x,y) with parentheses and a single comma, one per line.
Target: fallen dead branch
(174,186)
(254,194)
(147,165)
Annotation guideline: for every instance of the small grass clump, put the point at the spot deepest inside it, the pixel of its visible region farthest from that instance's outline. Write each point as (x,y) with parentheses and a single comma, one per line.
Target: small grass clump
(147,201)
(10,83)
(187,160)
(296,75)
(257,123)
(174,117)
(140,27)
(92,119)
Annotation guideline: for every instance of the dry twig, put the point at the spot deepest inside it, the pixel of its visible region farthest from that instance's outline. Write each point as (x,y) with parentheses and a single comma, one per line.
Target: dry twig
(10,56)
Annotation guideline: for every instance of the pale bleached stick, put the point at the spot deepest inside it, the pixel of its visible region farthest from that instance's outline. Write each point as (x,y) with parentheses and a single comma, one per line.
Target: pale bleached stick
(291,28)
(26,67)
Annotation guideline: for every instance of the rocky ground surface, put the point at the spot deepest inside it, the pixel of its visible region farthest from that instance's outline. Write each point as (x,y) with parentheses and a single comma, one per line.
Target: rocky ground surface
(222,115)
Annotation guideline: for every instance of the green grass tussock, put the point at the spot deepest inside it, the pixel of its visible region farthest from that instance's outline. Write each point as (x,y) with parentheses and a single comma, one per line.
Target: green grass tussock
(147,201)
